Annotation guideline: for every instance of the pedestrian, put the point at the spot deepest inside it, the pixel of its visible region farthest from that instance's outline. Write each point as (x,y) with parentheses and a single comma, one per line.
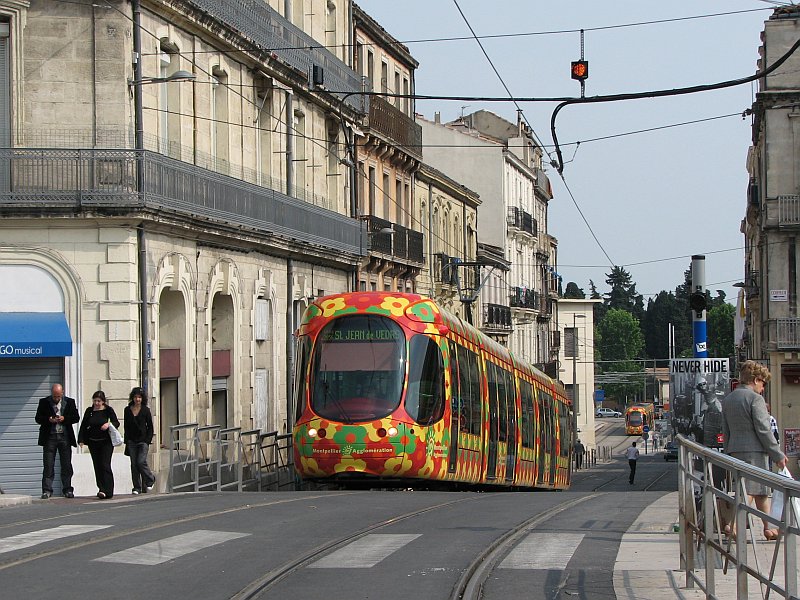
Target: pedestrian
(580,450)
(632,454)
(94,433)
(748,435)
(55,415)
(138,437)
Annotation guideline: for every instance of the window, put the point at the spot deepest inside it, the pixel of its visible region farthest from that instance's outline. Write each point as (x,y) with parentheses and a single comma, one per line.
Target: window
(398,194)
(5,102)
(398,102)
(265,125)
(300,376)
(372,186)
(300,154)
(526,393)
(333,174)
(220,118)
(384,77)
(425,394)
(371,69)
(387,197)
(262,326)
(330,27)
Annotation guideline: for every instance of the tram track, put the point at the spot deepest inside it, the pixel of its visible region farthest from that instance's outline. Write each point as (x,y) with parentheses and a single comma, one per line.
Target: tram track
(263,584)
(470,584)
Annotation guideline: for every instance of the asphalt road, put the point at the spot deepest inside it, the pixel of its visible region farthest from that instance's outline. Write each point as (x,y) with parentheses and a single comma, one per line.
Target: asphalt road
(329,545)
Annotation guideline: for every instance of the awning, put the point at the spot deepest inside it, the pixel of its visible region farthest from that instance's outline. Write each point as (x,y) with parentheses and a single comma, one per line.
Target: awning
(34,335)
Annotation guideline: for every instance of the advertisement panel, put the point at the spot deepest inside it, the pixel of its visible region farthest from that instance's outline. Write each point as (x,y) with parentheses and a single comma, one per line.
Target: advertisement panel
(696,389)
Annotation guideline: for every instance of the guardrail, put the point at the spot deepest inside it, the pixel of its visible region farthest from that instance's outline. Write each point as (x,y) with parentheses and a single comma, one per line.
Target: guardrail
(210,458)
(712,497)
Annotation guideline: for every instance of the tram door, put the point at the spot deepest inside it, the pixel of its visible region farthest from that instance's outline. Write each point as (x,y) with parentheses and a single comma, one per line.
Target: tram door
(511,428)
(494,421)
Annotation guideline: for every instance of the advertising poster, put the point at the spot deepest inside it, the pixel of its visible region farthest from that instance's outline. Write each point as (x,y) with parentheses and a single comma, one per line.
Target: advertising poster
(791,442)
(696,389)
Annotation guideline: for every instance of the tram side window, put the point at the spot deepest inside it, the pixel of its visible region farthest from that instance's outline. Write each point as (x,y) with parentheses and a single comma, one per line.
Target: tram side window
(469,375)
(425,395)
(526,394)
(464,388)
(547,433)
(563,427)
(502,400)
(300,377)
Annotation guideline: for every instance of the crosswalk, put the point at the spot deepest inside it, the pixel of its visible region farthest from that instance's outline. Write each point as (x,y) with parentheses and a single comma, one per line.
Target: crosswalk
(538,550)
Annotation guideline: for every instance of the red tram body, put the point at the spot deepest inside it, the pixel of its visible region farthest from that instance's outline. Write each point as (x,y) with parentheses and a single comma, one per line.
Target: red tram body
(392,390)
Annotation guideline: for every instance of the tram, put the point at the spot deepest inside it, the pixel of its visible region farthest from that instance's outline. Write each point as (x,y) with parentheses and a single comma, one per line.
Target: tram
(637,417)
(392,390)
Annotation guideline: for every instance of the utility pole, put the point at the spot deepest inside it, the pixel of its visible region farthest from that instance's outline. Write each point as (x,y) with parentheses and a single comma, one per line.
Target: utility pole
(697,301)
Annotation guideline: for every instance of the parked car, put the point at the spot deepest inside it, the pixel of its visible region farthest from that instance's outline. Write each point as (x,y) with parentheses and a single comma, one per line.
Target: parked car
(607,412)
(671,451)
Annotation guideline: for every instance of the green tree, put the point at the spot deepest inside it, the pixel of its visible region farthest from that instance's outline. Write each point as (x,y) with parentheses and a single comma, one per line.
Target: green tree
(719,323)
(662,311)
(618,343)
(574,292)
(623,294)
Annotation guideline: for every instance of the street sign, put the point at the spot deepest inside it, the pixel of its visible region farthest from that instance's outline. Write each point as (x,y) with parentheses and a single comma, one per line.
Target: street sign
(645,436)
(646,428)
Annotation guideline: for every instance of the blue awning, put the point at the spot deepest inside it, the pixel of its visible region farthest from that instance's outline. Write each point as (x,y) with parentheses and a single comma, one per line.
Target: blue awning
(34,335)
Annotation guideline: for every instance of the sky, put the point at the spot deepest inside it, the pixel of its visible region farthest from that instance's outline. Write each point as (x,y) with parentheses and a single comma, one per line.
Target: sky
(652,199)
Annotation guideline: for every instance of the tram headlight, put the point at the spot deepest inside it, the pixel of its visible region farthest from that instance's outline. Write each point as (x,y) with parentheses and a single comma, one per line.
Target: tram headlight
(312,432)
(392,431)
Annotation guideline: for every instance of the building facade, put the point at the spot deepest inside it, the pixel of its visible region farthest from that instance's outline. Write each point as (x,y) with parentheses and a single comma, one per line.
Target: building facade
(771,225)
(449,214)
(501,161)
(166,219)
(387,155)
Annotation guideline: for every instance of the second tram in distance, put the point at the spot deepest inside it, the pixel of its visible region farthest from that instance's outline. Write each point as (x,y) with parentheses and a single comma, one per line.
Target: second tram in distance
(392,390)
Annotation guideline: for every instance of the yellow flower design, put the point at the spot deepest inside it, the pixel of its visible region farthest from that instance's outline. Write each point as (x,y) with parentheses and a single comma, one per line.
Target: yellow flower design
(350,464)
(397,466)
(396,306)
(330,307)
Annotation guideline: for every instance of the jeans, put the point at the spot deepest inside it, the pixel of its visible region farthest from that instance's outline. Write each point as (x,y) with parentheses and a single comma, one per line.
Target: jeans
(60,443)
(632,465)
(141,475)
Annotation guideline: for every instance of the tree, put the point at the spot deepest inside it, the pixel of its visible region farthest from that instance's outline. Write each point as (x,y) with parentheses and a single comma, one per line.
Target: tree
(623,294)
(662,311)
(574,292)
(720,330)
(619,342)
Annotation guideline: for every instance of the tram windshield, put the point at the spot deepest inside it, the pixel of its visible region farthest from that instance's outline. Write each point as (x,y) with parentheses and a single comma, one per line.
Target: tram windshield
(357,369)
(635,419)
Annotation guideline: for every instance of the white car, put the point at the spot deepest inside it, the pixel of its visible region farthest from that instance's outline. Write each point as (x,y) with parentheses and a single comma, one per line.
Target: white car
(607,412)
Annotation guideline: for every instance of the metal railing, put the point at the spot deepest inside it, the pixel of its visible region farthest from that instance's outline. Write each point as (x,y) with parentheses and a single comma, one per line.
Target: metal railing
(210,458)
(712,501)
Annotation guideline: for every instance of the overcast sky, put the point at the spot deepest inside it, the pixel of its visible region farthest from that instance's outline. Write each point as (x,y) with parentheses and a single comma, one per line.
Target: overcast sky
(652,199)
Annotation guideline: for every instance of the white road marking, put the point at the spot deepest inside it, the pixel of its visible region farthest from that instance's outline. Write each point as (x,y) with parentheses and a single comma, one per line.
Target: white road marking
(543,551)
(171,548)
(26,540)
(366,552)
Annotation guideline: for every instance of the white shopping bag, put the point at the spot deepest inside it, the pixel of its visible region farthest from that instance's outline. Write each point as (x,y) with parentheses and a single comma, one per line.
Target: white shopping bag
(778,501)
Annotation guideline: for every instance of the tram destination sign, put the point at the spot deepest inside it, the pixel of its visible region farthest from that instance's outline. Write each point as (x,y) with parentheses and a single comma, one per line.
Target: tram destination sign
(361,335)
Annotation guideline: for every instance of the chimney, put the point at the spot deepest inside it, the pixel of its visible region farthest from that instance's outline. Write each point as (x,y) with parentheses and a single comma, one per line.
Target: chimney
(437,118)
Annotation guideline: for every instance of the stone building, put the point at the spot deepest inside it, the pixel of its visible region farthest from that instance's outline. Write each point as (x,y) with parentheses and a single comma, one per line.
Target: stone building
(387,153)
(771,331)
(448,212)
(502,162)
(166,218)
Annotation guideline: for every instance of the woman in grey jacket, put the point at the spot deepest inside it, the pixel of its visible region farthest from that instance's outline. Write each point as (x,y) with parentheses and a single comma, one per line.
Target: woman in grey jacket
(748,436)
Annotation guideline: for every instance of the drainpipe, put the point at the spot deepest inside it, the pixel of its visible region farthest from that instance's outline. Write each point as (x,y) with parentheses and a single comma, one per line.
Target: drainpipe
(144,374)
(430,236)
(289,261)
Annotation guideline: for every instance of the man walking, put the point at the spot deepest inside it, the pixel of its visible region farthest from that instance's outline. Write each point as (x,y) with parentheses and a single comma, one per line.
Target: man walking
(632,453)
(55,415)
(580,450)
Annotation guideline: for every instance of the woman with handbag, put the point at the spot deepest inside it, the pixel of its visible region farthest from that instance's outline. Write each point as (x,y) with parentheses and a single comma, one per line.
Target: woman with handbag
(138,437)
(95,432)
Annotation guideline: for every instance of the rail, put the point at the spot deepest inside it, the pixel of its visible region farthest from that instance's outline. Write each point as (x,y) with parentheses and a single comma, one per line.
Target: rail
(210,458)
(712,500)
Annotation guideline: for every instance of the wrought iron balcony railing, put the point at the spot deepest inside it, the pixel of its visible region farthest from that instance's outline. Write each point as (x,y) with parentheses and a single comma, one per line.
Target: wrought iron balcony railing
(524,298)
(394,240)
(497,317)
(90,179)
(394,124)
(787,335)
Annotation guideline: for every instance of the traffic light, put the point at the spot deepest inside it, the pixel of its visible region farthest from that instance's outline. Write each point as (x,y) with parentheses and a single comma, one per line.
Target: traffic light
(580,70)
(698,301)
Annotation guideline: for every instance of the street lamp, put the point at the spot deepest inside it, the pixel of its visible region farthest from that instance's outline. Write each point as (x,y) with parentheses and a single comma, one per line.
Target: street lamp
(575,400)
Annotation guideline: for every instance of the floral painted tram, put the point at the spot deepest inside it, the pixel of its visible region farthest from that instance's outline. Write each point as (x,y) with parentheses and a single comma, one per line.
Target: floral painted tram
(392,390)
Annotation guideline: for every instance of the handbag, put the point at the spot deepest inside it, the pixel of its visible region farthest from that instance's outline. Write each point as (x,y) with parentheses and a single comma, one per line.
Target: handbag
(115,435)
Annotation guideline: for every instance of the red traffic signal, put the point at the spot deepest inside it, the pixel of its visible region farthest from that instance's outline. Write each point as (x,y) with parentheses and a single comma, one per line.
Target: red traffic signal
(580,70)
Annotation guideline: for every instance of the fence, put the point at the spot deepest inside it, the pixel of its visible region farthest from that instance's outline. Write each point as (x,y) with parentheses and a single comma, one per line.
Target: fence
(212,458)
(712,500)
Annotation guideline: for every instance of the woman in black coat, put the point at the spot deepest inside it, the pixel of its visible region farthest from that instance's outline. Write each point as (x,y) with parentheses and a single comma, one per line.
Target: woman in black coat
(94,433)
(138,437)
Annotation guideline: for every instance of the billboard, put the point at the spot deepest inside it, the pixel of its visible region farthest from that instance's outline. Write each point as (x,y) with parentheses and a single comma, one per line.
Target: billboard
(696,389)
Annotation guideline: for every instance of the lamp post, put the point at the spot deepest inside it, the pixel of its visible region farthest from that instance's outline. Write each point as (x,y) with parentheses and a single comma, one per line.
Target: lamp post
(575,400)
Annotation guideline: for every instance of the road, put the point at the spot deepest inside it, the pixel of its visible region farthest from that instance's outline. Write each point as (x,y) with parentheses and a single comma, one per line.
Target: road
(331,545)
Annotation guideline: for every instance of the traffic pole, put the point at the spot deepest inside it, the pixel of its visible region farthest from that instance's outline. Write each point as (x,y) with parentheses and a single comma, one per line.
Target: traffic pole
(697,301)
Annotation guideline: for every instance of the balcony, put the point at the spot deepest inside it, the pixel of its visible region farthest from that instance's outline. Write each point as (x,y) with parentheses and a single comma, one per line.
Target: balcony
(789,211)
(787,333)
(445,269)
(275,36)
(59,181)
(392,123)
(522,221)
(496,317)
(524,298)
(401,244)
(543,184)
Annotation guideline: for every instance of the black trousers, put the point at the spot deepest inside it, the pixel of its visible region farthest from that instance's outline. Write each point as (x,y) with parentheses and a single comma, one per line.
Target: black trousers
(632,464)
(57,443)
(101,461)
